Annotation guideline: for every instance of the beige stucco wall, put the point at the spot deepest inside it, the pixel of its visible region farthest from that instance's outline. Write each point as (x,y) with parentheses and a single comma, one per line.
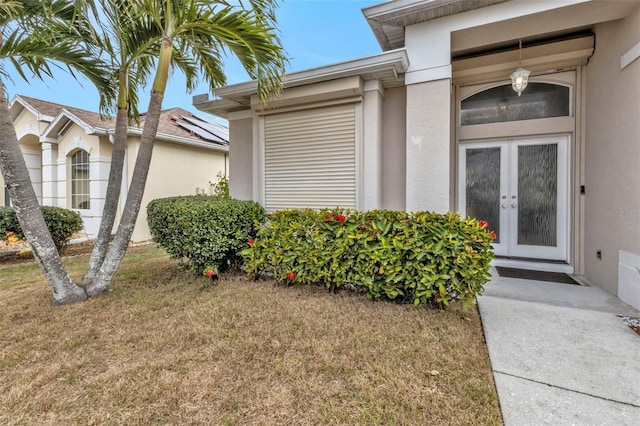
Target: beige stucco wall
(27,123)
(3,202)
(428,143)
(175,170)
(394,149)
(27,130)
(372,123)
(612,156)
(241,158)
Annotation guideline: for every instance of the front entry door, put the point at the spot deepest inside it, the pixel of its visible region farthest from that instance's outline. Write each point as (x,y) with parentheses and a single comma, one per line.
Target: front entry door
(520,187)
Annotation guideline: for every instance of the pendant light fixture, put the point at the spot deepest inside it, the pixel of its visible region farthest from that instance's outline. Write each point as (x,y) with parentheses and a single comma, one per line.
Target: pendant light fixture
(520,77)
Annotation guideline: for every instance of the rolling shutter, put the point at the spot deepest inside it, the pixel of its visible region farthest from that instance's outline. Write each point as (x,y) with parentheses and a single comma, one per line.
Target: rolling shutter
(310,158)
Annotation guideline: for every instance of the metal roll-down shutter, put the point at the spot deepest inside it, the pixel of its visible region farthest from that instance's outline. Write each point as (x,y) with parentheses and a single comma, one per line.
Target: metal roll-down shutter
(310,158)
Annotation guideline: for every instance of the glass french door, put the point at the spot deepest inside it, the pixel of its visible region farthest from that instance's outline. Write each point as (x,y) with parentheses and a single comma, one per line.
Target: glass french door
(520,187)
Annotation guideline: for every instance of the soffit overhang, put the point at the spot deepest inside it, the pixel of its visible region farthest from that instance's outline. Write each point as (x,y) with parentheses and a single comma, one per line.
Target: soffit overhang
(387,67)
(389,19)
(484,30)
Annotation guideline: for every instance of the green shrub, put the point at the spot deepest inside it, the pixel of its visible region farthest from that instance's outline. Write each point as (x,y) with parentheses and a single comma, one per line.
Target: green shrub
(207,231)
(420,257)
(221,188)
(9,223)
(62,224)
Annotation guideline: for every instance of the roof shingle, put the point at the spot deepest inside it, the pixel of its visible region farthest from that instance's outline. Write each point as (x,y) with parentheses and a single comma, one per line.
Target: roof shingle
(175,122)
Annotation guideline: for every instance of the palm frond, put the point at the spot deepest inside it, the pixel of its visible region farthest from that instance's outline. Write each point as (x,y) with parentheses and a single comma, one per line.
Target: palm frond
(39,57)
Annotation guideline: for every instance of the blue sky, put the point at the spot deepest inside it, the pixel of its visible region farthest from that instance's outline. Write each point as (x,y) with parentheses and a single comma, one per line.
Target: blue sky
(314,33)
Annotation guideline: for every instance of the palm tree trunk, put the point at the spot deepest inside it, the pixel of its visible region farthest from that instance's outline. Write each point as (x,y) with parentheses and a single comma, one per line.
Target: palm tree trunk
(112,197)
(134,200)
(25,203)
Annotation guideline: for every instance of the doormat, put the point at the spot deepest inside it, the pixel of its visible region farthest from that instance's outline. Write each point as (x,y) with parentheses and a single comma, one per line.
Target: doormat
(526,274)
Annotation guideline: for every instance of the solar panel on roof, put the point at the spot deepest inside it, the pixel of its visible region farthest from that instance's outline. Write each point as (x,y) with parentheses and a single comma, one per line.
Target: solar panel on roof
(201,133)
(219,131)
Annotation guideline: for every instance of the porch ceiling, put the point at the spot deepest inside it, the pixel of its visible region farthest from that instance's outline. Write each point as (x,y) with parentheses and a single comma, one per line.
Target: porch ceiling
(490,30)
(388,20)
(536,28)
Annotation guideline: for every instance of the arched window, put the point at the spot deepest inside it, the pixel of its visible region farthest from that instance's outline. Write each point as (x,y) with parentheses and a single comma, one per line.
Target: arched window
(501,103)
(80,180)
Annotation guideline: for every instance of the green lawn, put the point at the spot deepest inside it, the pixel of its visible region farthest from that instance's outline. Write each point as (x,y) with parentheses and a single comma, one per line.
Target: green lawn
(161,348)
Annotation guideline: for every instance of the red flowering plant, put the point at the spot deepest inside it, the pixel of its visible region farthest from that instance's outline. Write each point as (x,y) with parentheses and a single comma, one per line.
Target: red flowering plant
(211,272)
(334,216)
(421,257)
(484,225)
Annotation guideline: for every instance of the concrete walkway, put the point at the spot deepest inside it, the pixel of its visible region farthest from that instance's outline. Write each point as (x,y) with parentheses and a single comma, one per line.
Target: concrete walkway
(560,354)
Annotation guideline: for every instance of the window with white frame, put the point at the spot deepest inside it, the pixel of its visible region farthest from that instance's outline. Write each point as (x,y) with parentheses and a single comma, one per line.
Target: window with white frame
(80,180)
(499,104)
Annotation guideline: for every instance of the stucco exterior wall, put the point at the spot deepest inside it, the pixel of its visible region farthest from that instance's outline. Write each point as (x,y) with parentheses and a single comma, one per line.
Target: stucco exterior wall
(428,144)
(76,138)
(2,200)
(612,156)
(373,104)
(30,147)
(27,130)
(241,159)
(27,123)
(394,121)
(176,170)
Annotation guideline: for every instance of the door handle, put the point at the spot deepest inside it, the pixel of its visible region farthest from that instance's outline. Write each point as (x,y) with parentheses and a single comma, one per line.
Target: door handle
(513,206)
(504,205)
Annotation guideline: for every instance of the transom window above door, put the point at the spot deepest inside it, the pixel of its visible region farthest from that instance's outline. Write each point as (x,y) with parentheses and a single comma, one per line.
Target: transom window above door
(500,104)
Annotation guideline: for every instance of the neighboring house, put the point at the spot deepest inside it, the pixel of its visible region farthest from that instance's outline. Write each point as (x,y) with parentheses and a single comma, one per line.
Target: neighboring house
(432,123)
(68,153)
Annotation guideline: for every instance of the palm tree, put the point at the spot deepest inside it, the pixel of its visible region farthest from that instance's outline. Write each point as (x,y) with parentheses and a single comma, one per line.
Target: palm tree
(130,52)
(145,39)
(28,44)
(191,35)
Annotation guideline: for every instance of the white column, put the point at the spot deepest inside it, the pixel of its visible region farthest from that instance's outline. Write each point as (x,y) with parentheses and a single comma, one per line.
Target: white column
(49,173)
(99,178)
(372,152)
(429,124)
(61,199)
(428,146)
(33,160)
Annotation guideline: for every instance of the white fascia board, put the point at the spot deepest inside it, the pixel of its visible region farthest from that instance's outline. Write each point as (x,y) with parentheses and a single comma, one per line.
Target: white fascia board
(398,59)
(32,110)
(399,6)
(182,141)
(50,133)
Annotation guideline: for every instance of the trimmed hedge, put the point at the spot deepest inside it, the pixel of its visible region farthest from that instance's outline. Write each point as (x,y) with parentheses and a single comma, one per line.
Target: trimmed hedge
(207,231)
(420,257)
(62,224)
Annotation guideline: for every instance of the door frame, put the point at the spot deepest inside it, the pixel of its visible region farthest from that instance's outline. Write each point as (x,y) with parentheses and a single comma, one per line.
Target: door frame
(508,176)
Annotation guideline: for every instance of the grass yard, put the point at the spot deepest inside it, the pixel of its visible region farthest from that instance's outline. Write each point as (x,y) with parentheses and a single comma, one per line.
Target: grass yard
(161,349)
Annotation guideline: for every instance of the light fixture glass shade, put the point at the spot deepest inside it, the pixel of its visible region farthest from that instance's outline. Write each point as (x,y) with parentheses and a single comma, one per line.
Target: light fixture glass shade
(519,80)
